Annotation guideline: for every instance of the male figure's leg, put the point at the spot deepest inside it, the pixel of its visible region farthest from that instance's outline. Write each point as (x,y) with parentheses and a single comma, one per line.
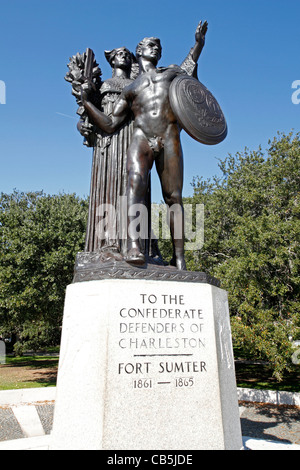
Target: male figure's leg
(139,164)
(170,170)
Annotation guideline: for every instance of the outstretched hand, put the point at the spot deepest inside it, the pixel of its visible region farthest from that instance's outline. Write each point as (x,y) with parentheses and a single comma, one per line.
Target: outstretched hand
(201,32)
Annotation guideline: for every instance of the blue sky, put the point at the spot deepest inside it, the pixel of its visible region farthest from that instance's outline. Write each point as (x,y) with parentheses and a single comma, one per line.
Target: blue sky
(249,62)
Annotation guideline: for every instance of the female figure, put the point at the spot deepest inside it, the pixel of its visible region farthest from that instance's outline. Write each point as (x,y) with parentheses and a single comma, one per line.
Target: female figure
(109,175)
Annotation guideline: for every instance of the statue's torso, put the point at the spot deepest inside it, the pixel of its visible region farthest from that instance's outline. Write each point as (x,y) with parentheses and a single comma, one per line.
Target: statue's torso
(149,96)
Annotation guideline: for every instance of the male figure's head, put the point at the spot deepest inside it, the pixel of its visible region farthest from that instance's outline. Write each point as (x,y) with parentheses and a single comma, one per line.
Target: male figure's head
(149,49)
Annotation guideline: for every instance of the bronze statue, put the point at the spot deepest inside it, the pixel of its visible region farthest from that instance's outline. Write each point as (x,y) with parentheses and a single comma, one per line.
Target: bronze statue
(133,120)
(156,136)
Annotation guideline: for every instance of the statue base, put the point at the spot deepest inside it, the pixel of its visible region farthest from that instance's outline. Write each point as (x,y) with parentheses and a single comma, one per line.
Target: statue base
(146,364)
(108,265)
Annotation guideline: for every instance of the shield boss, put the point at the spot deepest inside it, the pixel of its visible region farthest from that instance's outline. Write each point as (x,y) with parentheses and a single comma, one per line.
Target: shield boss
(197,110)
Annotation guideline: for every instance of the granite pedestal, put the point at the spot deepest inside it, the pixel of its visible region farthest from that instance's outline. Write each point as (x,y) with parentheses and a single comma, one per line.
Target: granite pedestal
(146,364)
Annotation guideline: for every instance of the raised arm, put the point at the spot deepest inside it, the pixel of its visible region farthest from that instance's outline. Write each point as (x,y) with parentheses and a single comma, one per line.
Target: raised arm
(108,124)
(200,40)
(190,62)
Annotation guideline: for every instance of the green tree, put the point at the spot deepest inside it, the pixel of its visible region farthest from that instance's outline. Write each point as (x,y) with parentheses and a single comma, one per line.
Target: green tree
(39,238)
(252,233)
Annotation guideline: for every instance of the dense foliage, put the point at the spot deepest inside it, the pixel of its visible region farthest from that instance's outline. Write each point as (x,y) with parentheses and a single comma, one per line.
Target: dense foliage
(39,238)
(252,234)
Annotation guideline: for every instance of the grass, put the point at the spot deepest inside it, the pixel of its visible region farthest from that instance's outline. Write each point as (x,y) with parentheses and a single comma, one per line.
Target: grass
(259,376)
(41,371)
(28,372)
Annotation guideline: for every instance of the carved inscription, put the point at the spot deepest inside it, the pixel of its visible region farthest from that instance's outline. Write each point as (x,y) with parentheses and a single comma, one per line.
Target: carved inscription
(165,339)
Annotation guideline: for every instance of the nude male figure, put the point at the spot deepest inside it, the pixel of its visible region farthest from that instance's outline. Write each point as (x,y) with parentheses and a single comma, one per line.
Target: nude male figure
(156,138)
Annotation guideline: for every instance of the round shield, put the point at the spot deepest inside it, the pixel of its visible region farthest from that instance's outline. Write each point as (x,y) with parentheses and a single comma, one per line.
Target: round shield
(197,110)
